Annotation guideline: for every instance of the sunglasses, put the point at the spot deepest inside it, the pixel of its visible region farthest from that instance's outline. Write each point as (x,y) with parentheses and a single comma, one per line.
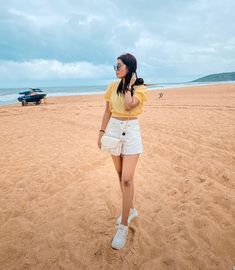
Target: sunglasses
(117,67)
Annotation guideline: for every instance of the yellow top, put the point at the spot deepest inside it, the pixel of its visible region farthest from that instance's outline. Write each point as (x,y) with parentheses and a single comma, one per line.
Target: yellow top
(116,102)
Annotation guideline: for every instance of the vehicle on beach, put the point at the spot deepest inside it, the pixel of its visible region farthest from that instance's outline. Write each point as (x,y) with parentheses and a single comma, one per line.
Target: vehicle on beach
(34,95)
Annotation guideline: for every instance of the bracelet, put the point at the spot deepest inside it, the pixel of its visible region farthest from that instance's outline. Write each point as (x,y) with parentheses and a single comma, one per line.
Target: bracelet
(102,130)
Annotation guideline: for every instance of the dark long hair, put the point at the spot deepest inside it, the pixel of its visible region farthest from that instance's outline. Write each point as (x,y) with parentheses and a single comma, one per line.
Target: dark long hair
(130,61)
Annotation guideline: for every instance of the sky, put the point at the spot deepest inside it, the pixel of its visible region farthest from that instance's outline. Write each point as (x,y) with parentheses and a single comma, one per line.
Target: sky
(74,42)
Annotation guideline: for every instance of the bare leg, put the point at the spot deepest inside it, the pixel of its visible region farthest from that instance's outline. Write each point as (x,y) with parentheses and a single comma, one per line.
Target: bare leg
(118,160)
(128,169)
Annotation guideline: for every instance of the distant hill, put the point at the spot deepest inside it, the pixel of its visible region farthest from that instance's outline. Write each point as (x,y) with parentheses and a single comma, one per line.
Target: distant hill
(228,76)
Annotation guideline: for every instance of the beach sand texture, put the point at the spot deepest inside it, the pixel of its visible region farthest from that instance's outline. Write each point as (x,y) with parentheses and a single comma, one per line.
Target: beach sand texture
(59,194)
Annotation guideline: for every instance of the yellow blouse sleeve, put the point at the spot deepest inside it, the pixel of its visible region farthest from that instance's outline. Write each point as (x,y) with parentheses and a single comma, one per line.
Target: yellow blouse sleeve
(107,93)
(141,93)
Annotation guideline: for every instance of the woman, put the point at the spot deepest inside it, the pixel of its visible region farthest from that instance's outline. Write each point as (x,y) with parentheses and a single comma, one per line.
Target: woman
(124,101)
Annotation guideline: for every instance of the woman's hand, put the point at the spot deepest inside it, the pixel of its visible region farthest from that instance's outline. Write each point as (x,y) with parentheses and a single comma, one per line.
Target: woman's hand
(99,139)
(132,81)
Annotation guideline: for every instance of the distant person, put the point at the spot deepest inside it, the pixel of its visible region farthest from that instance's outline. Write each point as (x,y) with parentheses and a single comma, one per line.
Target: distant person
(124,100)
(160,95)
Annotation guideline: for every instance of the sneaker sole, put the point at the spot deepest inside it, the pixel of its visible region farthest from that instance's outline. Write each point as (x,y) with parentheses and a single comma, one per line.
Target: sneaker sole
(116,247)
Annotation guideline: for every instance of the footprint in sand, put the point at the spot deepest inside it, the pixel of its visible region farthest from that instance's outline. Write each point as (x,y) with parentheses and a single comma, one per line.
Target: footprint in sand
(21,185)
(113,210)
(200,222)
(201,179)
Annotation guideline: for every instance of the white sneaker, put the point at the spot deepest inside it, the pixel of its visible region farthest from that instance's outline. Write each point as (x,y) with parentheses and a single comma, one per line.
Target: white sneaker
(133,213)
(119,240)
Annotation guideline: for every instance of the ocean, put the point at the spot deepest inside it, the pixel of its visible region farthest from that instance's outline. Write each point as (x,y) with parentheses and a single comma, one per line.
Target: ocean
(10,95)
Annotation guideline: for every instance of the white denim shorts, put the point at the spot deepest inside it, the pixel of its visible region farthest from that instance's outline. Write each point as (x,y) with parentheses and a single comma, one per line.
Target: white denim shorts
(132,139)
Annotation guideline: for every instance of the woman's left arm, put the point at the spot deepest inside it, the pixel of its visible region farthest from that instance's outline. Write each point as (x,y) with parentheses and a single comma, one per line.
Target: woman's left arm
(130,102)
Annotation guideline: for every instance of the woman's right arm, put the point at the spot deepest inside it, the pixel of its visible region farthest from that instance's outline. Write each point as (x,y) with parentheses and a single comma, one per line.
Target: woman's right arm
(105,120)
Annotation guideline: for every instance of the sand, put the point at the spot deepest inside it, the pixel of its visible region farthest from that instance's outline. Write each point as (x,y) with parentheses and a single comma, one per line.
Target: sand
(59,194)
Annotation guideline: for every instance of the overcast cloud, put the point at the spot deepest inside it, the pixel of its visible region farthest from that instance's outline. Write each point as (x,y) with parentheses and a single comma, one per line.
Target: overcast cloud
(53,42)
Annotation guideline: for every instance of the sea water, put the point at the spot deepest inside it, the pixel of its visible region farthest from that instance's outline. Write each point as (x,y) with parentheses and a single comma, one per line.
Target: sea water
(10,95)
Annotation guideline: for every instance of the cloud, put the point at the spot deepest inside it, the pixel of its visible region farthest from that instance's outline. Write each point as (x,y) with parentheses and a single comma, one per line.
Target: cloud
(175,37)
(33,21)
(43,70)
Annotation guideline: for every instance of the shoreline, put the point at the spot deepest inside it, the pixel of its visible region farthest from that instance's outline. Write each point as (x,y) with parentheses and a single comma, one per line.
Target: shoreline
(185,87)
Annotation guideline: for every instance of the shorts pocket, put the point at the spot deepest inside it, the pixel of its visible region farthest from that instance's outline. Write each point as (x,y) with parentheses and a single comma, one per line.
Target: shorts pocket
(113,130)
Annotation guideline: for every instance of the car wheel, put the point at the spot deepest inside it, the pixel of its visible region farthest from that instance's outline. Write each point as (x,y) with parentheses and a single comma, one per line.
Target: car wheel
(38,102)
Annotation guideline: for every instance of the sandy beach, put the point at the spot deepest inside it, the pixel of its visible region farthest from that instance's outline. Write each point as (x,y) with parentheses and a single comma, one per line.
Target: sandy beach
(59,194)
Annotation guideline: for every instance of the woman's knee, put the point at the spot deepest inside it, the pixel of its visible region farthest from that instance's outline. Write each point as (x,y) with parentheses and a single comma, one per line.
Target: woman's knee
(127,181)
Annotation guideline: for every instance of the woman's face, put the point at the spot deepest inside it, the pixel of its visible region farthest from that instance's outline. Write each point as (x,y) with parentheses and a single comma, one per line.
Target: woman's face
(121,69)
